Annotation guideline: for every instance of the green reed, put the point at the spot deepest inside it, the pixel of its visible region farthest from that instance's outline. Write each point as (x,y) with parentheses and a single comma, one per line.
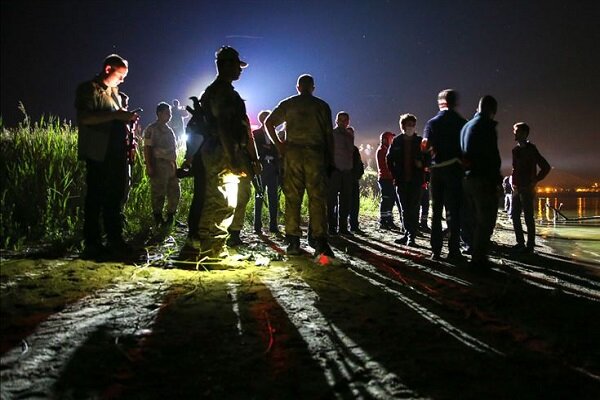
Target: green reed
(42,186)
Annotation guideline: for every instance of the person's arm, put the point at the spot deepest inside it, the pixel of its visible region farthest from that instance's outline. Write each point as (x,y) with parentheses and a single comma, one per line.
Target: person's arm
(85,100)
(390,158)
(276,118)
(426,145)
(544,166)
(148,156)
(99,117)
(329,143)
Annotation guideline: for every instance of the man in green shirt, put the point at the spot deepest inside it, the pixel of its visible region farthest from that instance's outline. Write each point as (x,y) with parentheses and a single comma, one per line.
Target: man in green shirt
(307,161)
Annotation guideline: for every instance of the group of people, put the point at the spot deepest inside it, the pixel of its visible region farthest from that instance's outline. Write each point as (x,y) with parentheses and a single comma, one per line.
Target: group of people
(457,161)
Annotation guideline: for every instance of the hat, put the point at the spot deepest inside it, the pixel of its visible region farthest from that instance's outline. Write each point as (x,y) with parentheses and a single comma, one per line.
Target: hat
(227,53)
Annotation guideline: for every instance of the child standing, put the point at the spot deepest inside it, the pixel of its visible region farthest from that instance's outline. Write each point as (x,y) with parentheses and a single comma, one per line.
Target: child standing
(525,175)
(160,155)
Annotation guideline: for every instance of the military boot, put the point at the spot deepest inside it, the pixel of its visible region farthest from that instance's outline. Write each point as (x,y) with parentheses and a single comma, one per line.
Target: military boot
(323,248)
(293,248)
(234,239)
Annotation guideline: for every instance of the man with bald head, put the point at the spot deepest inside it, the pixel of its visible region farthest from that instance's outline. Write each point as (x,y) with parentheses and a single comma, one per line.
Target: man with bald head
(307,160)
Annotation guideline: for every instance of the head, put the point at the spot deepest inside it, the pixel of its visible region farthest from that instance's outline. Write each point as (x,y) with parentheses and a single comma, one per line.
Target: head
(350,130)
(447,99)
(114,70)
(521,131)
(175,103)
(163,112)
(305,84)
(262,116)
(342,119)
(385,139)
(488,106)
(408,124)
(229,65)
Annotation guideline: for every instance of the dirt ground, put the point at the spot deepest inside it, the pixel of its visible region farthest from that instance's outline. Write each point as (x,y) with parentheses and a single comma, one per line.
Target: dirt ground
(381,321)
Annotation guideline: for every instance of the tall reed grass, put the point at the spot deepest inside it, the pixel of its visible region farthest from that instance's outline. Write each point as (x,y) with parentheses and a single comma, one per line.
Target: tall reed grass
(42,187)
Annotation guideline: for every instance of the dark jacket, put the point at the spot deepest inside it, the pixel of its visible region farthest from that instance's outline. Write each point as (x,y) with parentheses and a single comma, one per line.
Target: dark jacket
(395,159)
(358,168)
(443,135)
(479,146)
(526,159)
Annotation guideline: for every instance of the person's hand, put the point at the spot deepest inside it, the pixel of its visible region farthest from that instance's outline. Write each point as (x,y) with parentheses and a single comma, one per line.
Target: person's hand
(126,116)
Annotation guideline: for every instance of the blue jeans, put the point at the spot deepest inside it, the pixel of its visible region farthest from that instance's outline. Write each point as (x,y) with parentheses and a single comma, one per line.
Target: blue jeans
(522,200)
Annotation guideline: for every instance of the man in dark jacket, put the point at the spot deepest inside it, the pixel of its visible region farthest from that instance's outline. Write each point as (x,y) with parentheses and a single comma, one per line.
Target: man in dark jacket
(358,170)
(481,158)
(405,161)
(441,139)
(525,175)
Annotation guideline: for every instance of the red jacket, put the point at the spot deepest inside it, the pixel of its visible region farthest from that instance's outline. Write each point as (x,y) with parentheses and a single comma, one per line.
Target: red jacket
(383,172)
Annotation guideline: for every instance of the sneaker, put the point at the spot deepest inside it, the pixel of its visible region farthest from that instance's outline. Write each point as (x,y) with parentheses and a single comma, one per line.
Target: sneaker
(454,258)
(412,243)
(482,264)
(518,248)
(402,240)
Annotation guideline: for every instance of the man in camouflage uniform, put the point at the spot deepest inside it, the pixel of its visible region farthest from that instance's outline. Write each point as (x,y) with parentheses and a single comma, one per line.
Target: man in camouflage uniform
(307,159)
(226,144)
(160,154)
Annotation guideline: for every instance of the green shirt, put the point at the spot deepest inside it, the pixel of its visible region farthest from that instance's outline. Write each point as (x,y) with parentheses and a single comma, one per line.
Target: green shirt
(307,119)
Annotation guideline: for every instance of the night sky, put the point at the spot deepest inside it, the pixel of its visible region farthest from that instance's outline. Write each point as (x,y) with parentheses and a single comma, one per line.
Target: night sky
(375,59)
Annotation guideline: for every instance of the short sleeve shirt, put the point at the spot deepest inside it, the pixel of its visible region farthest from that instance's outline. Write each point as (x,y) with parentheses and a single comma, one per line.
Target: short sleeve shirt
(162,140)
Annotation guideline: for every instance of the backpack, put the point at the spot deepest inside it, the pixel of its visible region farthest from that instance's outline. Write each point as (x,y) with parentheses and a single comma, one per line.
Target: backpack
(196,128)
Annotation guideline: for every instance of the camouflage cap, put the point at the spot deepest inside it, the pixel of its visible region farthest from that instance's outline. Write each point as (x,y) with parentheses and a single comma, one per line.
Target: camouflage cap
(227,53)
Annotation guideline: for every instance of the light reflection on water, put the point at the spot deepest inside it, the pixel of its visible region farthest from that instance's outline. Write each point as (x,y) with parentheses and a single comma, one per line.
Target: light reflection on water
(578,239)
